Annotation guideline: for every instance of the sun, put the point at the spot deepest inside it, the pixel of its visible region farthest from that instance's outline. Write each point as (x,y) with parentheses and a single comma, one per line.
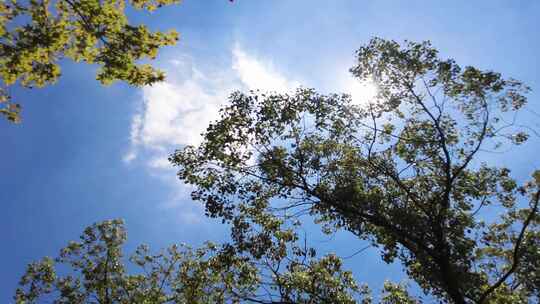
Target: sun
(362,92)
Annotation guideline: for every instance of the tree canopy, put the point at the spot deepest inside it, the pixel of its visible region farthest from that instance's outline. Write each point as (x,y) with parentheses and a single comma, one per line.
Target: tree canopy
(286,273)
(36,35)
(403,171)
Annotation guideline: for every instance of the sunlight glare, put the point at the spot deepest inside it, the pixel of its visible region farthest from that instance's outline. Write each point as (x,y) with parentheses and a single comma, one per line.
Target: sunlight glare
(362,92)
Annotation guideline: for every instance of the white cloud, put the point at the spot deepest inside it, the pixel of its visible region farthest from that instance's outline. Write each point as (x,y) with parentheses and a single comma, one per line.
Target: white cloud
(177,111)
(159,162)
(174,113)
(129,156)
(258,74)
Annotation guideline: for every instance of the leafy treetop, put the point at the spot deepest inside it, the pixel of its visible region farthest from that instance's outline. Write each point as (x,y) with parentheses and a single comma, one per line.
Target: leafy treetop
(403,170)
(36,35)
(92,270)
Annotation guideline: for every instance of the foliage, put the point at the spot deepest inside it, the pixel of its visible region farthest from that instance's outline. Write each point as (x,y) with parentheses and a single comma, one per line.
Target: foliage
(403,170)
(36,35)
(96,273)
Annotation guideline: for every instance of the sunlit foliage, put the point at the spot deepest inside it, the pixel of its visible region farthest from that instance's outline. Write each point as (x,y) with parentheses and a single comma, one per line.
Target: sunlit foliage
(92,270)
(403,170)
(35,35)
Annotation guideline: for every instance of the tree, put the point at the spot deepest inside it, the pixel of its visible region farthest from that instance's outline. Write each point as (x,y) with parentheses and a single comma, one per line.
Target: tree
(403,171)
(96,273)
(36,35)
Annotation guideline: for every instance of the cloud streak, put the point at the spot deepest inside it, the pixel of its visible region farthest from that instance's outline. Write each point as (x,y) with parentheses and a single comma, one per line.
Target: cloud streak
(174,113)
(256,74)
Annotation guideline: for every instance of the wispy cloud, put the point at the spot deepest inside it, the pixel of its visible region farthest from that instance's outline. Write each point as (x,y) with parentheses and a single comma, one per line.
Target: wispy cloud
(174,113)
(255,73)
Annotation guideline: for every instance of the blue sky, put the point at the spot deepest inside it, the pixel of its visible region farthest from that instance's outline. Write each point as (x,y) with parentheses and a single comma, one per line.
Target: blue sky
(86,153)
